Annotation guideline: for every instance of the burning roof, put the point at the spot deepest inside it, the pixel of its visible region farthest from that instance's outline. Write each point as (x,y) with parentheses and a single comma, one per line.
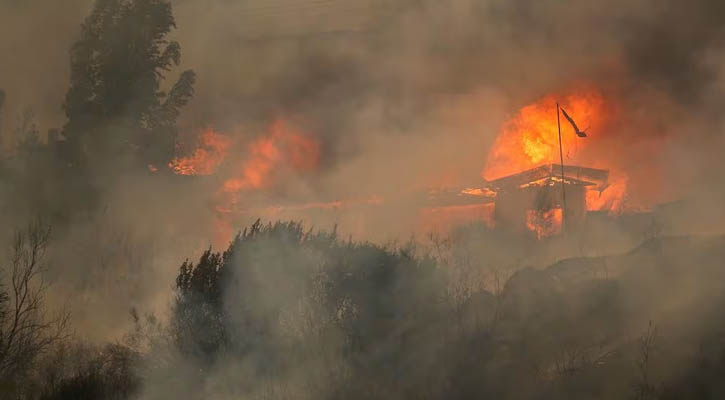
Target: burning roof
(549,174)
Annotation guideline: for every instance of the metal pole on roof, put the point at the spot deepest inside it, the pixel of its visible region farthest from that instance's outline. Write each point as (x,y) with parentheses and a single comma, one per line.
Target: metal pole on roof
(561,158)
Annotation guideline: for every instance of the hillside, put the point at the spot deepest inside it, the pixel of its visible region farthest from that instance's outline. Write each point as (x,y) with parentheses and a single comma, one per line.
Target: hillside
(587,316)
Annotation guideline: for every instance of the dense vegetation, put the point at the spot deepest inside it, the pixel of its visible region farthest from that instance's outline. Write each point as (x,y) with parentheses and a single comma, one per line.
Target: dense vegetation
(290,313)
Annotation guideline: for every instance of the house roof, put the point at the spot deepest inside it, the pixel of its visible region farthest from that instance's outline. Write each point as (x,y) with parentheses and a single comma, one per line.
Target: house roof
(550,174)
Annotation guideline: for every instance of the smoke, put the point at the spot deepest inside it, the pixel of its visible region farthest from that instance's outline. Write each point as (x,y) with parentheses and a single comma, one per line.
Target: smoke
(433,80)
(399,97)
(376,82)
(34,40)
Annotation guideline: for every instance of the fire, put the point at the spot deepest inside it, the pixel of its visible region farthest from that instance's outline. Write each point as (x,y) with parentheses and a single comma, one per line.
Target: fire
(530,138)
(281,147)
(611,199)
(544,223)
(317,205)
(206,158)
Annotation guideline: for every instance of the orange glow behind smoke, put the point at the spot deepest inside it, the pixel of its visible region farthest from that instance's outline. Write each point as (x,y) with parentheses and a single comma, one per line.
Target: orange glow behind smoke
(544,223)
(528,139)
(612,199)
(281,148)
(445,218)
(206,158)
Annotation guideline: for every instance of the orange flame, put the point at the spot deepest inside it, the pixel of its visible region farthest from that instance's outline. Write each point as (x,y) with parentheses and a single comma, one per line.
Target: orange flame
(282,146)
(611,199)
(530,138)
(544,223)
(206,158)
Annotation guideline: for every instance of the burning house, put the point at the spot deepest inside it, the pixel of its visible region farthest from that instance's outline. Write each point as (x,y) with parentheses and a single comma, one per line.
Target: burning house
(540,200)
(543,198)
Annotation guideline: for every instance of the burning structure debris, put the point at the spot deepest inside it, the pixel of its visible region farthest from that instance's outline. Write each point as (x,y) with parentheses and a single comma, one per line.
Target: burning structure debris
(535,191)
(543,199)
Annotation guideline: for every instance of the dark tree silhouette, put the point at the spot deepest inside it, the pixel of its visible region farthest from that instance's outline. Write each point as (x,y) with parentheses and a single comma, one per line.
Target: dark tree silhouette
(362,296)
(92,373)
(197,322)
(115,104)
(26,331)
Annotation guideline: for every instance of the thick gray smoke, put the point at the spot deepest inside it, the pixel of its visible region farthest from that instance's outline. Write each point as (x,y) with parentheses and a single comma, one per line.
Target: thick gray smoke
(400,95)
(377,82)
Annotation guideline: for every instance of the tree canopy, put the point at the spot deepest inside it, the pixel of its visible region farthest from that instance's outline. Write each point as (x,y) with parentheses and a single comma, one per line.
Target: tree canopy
(115,103)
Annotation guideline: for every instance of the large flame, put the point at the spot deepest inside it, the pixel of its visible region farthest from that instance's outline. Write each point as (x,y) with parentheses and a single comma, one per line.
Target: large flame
(210,153)
(282,146)
(246,166)
(530,138)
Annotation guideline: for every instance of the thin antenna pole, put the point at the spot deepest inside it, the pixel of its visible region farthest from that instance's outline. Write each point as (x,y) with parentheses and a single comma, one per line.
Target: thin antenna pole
(561,158)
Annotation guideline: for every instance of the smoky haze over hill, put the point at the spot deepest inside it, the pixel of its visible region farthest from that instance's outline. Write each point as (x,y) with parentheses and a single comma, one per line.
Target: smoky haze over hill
(345,115)
(382,81)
